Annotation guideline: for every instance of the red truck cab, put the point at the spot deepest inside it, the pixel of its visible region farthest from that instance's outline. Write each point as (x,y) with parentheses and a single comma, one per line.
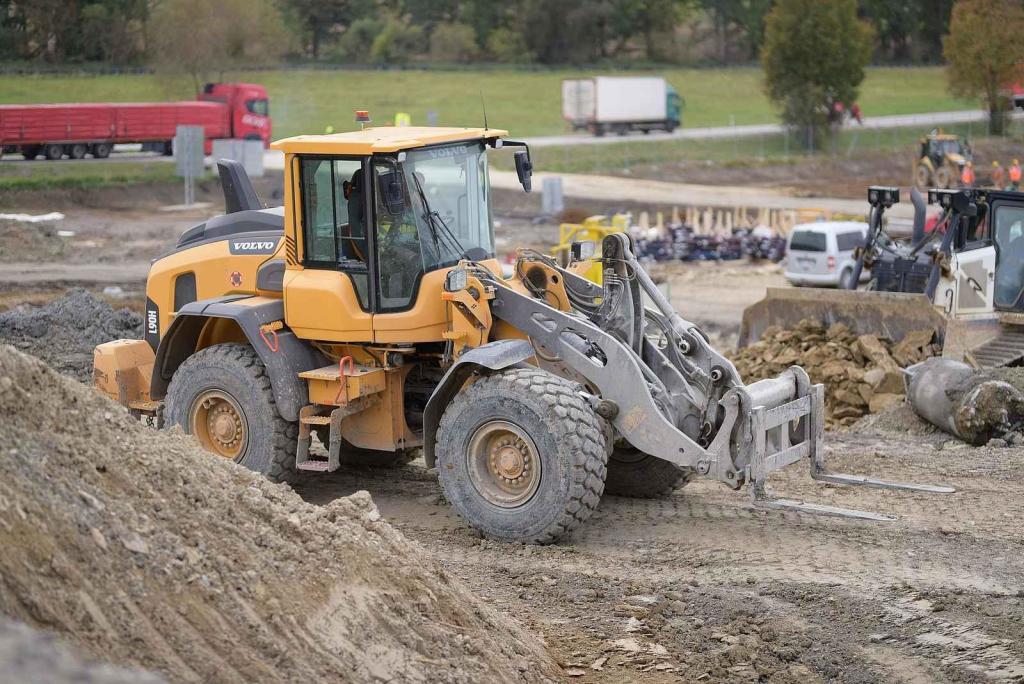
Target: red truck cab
(249,107)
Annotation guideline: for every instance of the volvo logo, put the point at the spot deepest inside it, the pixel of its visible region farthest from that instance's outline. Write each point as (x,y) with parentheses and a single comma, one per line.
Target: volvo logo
(253,246)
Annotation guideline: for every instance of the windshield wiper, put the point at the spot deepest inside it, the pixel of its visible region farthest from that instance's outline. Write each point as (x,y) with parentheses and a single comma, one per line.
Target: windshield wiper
(433,218)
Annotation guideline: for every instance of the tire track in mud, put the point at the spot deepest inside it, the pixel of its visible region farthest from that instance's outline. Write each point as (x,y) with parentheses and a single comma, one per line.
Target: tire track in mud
(737,593)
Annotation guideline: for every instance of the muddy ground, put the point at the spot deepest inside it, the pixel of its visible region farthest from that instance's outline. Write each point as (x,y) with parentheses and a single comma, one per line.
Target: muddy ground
(841,175)
(701,586)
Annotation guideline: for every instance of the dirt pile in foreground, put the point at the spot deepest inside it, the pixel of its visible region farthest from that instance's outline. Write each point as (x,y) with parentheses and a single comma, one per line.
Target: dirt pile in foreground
(148,552)
(861,373)
(64,331)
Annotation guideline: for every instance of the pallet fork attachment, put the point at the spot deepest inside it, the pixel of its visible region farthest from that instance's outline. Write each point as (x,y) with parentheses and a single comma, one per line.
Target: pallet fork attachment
(773,427)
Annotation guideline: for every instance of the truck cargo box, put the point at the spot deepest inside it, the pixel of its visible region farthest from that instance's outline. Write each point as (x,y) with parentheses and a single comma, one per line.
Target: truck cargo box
(117,123)
(620,103)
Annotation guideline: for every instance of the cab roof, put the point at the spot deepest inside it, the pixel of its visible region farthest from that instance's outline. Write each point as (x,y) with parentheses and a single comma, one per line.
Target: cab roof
(382,139)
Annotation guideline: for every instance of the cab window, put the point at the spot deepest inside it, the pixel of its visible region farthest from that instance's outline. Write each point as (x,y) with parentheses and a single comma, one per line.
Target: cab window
(433,210)
(334,219)
(1009,239)
(260,107)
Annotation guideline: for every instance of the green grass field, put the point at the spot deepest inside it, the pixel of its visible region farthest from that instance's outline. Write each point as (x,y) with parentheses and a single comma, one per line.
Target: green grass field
(17,175)
(525,102)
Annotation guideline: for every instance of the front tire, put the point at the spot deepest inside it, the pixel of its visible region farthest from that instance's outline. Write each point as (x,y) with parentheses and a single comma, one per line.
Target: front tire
(222,395)
(642,476)
(521,456)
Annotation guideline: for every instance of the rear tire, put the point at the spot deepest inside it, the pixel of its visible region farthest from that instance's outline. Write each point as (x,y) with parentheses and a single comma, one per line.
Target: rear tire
(522,456)
(922,177)
(101,150)
(77,151)
(53,152)
(642,476)
(234,381)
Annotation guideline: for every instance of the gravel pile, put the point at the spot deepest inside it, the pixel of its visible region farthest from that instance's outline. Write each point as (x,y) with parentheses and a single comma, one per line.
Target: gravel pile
(861,373)
(144,550)
(65,331)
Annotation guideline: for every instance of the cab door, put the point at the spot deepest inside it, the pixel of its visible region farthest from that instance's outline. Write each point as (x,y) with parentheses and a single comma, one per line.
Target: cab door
(1008,236)
(975,281)
(329,294)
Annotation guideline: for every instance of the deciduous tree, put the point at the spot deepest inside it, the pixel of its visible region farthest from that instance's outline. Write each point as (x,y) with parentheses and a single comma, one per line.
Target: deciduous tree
(814,56)
(201,39)
(984,49)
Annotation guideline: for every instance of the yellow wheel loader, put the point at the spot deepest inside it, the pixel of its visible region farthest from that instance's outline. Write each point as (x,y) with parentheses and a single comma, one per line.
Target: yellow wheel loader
(940,160)
(964,279)
(371,312)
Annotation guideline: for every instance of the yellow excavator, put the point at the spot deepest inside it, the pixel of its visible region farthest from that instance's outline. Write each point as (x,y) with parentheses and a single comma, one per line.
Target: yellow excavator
(370,312)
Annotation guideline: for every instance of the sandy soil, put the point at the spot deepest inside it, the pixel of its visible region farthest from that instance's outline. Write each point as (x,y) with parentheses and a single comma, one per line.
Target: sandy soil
(822,176)
(704,587)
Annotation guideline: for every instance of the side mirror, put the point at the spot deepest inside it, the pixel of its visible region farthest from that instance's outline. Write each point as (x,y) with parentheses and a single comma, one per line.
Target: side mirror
(524,169)
(392,191)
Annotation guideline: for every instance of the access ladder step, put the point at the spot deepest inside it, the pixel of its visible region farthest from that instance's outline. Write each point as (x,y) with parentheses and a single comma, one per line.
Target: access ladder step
(315,466)
(315,420)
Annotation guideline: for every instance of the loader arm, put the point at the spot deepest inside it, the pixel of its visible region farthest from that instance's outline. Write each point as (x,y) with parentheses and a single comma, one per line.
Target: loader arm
(678,399)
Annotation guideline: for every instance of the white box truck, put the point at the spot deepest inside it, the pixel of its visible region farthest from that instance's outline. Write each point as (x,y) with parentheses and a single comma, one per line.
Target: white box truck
(620,104)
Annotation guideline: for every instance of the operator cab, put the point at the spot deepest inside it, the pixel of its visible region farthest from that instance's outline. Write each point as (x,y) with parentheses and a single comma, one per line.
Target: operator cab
(383,212)
(422,210)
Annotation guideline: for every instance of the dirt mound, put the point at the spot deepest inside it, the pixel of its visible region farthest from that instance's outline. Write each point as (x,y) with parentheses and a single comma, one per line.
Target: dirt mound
(148,552)
(861,373)
(64,332)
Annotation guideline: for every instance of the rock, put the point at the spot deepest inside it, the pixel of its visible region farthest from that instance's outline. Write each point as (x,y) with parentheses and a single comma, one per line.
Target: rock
(872,348)
(98,537)
(880,402)
(847,397)
(914,347)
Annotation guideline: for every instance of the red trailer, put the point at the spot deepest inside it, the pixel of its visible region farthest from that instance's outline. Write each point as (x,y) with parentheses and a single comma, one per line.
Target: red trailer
(224,110)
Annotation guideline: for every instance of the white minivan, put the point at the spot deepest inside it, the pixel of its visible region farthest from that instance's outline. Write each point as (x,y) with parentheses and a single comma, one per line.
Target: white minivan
(822,254)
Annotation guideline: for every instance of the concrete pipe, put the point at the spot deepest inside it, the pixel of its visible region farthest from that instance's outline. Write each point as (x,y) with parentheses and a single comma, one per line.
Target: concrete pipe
(964,402)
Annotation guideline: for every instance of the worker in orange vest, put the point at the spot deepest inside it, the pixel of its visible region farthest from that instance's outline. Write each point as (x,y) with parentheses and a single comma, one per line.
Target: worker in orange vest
(998,176)
(1015,175)
(967,175)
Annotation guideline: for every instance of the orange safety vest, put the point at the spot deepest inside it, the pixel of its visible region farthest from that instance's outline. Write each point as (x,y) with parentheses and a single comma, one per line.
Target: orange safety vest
(1015,174)
(967,176)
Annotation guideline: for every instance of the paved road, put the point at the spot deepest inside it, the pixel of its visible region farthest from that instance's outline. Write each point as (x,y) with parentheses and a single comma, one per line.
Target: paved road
(896,121)
(615,188)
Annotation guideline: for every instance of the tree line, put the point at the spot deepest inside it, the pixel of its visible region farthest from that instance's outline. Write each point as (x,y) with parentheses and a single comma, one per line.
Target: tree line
(227,33)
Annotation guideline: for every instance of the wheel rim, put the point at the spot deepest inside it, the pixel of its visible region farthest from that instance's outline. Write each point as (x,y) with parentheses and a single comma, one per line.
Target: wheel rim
(217,420)
(503,464)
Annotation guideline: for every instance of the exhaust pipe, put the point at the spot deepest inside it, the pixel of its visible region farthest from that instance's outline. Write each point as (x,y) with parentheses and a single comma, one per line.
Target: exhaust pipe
(920,214)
